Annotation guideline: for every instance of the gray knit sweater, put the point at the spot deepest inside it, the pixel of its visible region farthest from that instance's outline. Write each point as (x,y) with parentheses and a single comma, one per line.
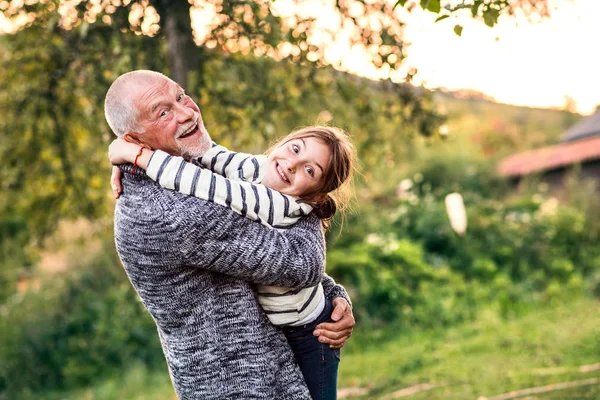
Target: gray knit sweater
(193,263)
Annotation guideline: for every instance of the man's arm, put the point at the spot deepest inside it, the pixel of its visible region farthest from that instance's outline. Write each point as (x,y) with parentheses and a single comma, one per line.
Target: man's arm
(333,290)
(212,237)
(336,333)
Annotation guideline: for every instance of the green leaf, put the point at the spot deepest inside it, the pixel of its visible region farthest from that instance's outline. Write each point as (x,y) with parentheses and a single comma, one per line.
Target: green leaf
(458,30)
(442,17)
(475,7)
(400,3)
(434,6)
(490,16)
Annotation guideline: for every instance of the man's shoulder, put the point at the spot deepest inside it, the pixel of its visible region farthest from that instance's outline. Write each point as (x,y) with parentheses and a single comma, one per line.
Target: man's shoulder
(148,200)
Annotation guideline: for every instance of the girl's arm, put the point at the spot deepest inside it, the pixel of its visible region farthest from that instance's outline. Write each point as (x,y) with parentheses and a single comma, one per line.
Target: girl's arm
(122,152)
(228,163)
(256,202)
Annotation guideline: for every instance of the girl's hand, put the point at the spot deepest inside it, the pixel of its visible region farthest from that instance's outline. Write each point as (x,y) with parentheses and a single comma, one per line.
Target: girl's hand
(115,181)
(121,152)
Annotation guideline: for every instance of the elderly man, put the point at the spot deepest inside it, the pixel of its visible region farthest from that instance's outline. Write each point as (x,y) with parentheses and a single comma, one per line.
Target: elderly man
(193,262)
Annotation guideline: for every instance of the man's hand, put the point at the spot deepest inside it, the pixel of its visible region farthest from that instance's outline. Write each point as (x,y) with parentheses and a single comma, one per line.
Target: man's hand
(336,333)
(115,182)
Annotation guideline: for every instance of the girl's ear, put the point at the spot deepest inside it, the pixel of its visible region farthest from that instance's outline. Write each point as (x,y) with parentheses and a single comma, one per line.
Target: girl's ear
(318,198)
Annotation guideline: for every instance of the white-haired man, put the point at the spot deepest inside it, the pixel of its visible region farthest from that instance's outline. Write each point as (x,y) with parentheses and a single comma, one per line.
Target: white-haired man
(193,262)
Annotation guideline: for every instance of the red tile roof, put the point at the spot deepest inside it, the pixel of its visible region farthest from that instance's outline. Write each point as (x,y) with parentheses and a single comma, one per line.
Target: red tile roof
(552,157)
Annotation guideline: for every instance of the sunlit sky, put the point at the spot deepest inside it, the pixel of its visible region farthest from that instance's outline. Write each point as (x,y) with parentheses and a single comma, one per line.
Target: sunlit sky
(530,64)
(515,62)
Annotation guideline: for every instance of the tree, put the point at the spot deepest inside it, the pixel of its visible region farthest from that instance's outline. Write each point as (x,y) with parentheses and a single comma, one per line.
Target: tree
(56,68)
(283,29)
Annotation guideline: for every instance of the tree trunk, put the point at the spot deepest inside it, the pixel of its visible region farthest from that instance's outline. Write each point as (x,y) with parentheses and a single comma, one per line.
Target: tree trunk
(177,28)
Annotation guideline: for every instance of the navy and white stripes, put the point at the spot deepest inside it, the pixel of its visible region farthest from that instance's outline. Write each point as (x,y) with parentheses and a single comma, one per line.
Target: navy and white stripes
(229,179)
(257,202)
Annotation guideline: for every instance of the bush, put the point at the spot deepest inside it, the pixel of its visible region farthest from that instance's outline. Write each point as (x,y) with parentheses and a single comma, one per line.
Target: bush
(14,259)
(72,331)
(391,282)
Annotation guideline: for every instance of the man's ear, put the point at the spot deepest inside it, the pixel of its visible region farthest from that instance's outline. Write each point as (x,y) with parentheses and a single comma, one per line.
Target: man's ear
(132,137)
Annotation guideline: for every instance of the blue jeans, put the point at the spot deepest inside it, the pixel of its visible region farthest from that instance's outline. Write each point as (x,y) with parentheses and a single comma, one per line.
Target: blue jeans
(318,363)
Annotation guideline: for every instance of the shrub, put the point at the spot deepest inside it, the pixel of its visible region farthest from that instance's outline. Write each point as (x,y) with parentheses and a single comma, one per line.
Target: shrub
(74,330)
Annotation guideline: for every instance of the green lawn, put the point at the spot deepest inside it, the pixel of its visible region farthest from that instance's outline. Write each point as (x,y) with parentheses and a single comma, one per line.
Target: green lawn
(472,361)
(486,358)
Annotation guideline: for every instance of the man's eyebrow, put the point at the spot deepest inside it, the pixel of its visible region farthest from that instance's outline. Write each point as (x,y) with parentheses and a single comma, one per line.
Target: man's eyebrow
(160,103)
(156,105)
(318,165)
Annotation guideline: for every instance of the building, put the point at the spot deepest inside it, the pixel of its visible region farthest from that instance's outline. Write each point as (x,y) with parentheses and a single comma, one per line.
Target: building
(580,145)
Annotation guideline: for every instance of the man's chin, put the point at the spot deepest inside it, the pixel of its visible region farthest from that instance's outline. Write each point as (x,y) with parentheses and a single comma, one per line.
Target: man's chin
(189,151)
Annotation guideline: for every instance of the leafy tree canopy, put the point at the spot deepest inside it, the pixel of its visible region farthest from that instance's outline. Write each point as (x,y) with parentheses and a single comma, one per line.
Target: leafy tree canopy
(296,30)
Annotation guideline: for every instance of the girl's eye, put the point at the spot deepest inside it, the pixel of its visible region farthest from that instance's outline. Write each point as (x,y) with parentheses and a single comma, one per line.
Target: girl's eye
(295,148)
(310,171)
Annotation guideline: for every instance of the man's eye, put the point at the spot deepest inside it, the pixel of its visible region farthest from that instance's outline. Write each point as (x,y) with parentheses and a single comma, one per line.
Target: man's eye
(163,113)
(295,148)
(180,96)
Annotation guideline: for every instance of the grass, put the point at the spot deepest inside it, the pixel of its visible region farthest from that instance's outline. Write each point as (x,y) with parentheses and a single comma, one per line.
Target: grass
(485,358)
(482,359)
(136,383)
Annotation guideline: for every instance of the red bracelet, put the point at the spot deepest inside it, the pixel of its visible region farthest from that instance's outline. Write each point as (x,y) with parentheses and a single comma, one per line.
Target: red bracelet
(136,158)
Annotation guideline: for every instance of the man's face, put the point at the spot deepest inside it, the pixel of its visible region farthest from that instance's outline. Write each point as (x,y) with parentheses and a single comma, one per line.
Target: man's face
(170,119)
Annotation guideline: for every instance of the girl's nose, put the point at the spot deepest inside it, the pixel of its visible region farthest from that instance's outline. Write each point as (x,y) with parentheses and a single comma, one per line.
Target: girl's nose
(291,166)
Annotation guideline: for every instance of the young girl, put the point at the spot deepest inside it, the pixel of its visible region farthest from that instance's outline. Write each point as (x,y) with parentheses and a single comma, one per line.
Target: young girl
(310,170)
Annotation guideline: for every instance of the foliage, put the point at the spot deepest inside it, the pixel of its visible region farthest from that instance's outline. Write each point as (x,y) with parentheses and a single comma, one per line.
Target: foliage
(488,11)
(53,86)
(54,157)
(16,256)
(295,33)
(74,330)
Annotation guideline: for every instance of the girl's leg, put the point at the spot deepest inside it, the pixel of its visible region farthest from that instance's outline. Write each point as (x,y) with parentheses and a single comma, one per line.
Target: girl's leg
(318,363)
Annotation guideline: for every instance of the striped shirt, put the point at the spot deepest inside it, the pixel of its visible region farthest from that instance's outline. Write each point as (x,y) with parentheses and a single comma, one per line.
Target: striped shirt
(232,179)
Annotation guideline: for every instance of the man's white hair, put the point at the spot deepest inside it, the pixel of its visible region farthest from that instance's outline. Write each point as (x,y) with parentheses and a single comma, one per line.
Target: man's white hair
(120,109)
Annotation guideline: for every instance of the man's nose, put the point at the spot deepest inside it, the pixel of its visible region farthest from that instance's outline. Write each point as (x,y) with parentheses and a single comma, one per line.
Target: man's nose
(185,113)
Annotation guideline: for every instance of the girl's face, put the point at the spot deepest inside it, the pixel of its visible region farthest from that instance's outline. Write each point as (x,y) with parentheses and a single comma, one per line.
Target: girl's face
(296,167)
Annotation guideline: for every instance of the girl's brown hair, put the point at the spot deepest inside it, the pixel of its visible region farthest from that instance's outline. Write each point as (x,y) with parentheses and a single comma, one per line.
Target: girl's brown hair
(335,189)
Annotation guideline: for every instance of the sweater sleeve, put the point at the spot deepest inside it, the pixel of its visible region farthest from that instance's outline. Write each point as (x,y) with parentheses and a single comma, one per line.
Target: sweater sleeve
(211,237)
(333,290)
(254,201)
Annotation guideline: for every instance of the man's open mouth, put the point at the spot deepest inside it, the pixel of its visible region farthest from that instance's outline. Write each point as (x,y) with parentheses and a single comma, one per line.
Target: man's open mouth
(189,132)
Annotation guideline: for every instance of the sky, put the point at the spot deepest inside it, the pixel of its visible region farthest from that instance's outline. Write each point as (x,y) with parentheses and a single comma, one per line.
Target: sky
(526,64)
(515,62)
